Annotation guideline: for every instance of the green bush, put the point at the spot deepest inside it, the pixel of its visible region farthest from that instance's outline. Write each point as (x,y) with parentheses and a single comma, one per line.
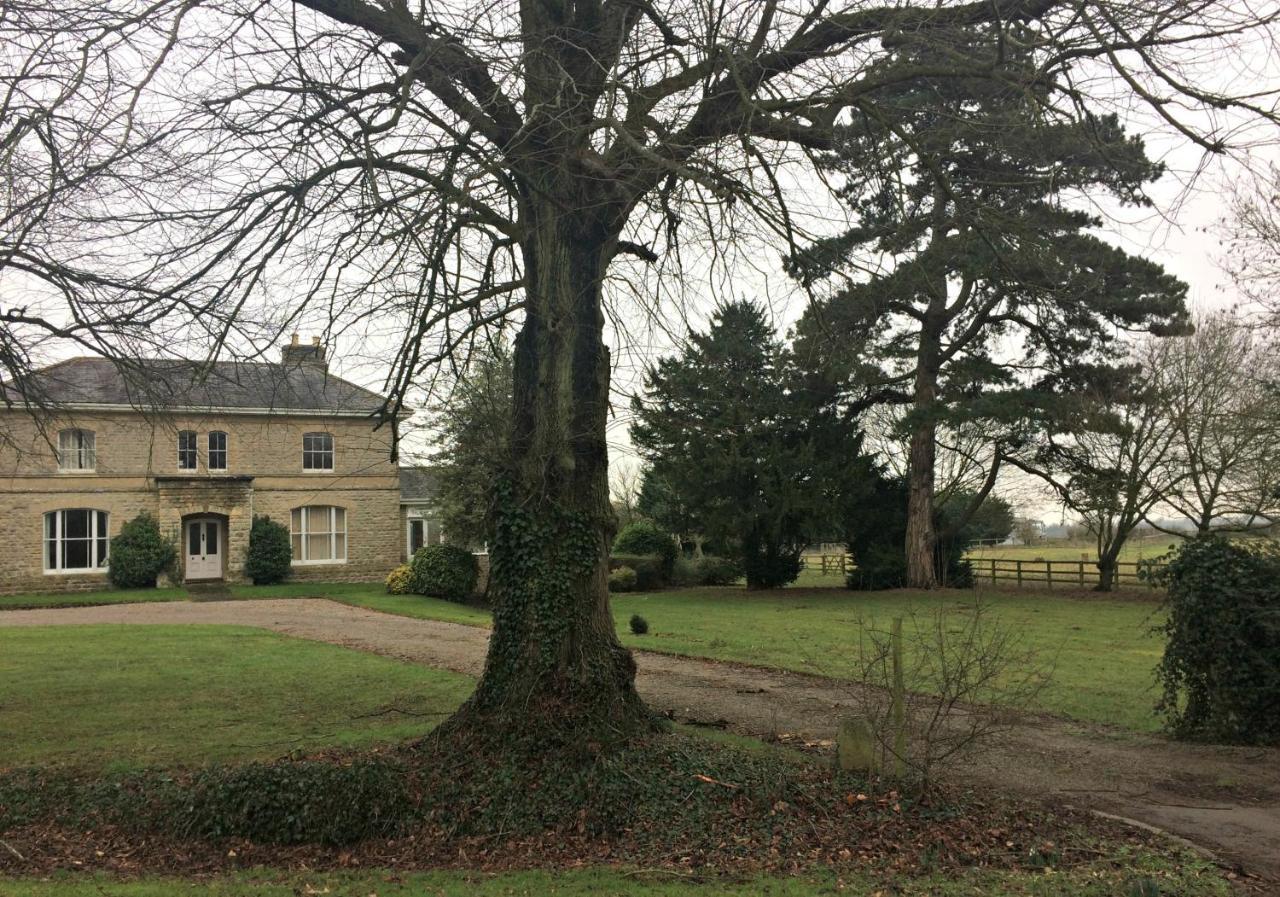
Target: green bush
(622,579)
(768,567)
(140,554)
(717,571)
(686,572)
(1221,664)
(647,538)
(270,553)
(639,625)
(400,580)
(879,565)
(445,571)
(650,569)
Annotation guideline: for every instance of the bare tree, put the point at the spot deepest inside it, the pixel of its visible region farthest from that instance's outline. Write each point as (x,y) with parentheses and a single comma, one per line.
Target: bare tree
(420,174)
(1252,230)
(1219,391)
(1110,463)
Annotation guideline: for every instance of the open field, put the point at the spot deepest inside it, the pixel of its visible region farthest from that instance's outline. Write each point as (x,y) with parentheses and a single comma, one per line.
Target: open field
(113,696)
(1134,550)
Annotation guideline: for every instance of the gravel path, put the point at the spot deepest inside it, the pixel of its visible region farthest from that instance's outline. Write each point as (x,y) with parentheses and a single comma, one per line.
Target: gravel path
(1226,799)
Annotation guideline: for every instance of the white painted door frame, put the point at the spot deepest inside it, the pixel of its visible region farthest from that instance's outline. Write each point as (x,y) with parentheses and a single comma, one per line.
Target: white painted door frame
(204,541)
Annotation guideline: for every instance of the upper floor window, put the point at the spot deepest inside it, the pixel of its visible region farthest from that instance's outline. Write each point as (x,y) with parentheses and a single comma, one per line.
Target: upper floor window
(317,451)
(319,534)
(187,450)
(77,450)
(217,450)
(75,539)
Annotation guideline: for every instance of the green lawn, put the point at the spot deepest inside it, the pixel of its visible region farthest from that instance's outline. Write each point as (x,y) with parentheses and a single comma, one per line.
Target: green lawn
(1133,550)
(1190,878)
(117,696)
(83,599)
(1102,651)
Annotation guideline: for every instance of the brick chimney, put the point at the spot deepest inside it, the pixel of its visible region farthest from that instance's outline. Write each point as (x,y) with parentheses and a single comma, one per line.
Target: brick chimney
(297,353)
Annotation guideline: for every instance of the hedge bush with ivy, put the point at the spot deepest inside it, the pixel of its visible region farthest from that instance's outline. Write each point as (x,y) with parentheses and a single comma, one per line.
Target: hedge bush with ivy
(645,538)
(445,571)
(1221,666)
(139,554)
(270,551)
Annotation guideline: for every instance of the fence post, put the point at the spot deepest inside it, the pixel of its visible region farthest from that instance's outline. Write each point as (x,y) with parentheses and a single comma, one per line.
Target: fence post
(1019,565)
(1048,574)
(1081,563)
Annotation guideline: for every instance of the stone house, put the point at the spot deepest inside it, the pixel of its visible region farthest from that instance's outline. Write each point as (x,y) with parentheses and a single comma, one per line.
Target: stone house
(204,448)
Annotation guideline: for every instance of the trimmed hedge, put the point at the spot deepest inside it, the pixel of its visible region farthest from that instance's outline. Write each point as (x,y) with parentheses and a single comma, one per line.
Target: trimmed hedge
(445,571)
(270,552)
(650,569)
(139,554)
(645,538)
(718,571)
(623,579)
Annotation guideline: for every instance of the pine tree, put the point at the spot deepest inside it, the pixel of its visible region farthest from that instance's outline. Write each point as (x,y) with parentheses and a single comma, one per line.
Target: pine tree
(756,458)
(990,272)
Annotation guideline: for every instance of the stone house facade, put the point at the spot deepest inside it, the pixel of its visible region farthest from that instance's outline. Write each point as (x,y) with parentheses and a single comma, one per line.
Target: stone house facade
(203,448)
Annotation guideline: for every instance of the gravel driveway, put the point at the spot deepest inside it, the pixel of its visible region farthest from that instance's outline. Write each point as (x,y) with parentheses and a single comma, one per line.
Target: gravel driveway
(1226,799)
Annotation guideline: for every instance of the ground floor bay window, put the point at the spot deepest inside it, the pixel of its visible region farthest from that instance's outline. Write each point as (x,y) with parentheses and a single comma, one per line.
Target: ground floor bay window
(319,535)
(75,540)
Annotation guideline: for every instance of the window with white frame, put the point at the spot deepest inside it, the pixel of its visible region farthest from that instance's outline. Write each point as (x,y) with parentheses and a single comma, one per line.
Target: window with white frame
(319,535)
(217,459)
(77,450)
(75,540)
(422,531)
(317,451)
(187,450)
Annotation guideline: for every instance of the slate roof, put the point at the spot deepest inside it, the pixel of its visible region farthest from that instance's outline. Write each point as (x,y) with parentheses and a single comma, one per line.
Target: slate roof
(419,484)
(164,383)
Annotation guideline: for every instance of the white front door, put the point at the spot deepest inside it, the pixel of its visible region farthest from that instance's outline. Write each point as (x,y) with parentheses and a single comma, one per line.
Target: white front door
(204,548)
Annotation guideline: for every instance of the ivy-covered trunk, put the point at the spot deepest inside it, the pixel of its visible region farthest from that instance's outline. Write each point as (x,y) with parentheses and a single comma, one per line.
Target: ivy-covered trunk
(555,666)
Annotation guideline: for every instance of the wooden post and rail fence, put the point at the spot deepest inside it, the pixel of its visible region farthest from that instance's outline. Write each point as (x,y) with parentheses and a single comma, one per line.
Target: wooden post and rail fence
(1036,573)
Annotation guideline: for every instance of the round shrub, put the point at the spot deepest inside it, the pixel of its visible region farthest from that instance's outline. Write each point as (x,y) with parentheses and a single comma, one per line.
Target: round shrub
(400,580)
(717,571)
(270,553)
(1221,664)
(643,537)
(140,554)
(445,571)
(622,579)
(639,625)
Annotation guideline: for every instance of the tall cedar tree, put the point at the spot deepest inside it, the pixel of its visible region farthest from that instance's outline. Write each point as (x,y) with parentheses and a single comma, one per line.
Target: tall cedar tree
(472,449)
(760,458)
(990,273)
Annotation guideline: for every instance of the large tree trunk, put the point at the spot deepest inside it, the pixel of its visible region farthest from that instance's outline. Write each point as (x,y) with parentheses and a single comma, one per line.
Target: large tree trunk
(555,665)
(1106,573)
(922,541)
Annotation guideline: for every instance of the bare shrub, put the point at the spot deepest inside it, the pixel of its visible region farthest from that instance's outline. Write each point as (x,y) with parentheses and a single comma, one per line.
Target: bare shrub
(954,679)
